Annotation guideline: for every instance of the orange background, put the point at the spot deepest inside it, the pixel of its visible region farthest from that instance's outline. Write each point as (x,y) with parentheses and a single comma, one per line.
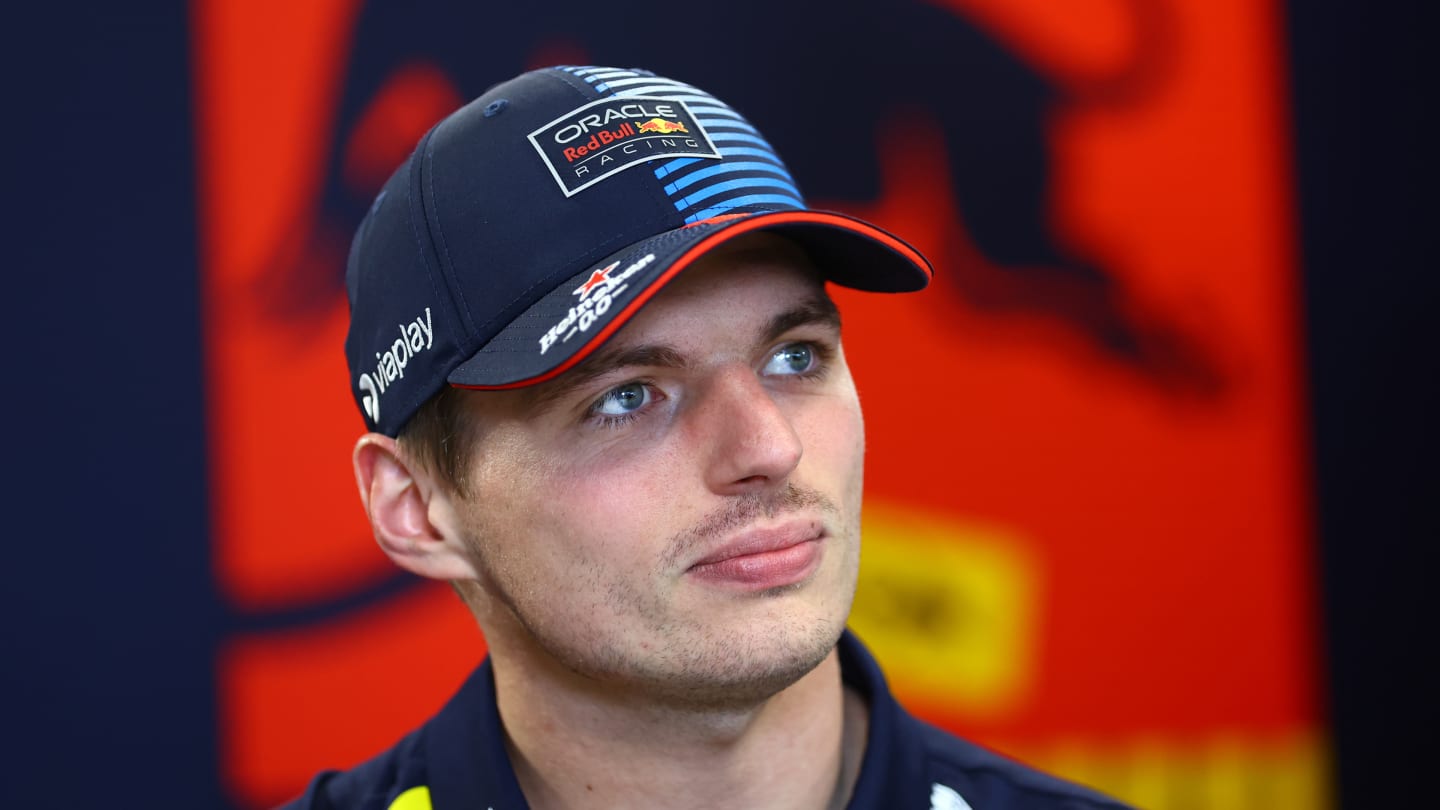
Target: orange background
(1151,542)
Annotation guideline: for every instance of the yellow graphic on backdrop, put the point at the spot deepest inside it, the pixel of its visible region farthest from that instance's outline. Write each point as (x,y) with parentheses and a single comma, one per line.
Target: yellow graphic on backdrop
(949,608)
(1213,772)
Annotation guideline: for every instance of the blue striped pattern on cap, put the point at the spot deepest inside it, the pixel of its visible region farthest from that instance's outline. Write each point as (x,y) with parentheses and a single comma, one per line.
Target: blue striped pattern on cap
(750,175)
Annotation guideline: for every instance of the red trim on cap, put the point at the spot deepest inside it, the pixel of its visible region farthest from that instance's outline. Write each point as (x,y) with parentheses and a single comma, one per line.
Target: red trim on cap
(696,251)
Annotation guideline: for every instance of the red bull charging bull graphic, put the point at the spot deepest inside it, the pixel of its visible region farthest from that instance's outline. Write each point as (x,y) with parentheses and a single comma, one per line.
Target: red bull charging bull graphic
(662,126)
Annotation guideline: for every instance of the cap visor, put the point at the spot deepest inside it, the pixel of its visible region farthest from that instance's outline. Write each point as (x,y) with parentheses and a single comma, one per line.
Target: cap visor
(569,323)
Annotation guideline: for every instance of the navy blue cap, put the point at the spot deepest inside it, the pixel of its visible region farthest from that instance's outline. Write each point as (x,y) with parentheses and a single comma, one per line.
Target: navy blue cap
(528,226)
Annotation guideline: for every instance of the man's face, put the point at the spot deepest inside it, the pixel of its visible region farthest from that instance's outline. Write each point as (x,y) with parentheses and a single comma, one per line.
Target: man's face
(680,514)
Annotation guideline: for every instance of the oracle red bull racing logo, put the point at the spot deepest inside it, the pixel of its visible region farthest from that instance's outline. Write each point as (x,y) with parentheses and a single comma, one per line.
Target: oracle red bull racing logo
(593,142)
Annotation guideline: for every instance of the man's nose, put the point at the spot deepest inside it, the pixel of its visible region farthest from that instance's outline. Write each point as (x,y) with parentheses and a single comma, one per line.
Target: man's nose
(749,435)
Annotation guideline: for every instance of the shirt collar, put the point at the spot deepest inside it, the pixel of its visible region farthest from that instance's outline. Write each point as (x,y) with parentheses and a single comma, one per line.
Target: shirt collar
(468,765)
(892,774)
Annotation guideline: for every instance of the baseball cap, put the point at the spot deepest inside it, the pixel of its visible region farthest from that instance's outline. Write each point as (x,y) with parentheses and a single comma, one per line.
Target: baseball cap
(530,225)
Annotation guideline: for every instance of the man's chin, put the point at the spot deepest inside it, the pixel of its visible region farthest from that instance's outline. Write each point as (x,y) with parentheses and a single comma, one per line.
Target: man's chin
(743,672)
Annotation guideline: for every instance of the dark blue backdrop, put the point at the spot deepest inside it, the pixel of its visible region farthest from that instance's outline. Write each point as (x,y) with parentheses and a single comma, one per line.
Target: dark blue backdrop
(111,623)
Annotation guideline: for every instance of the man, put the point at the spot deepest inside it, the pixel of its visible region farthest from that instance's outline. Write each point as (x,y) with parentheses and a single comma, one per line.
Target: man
(609,403)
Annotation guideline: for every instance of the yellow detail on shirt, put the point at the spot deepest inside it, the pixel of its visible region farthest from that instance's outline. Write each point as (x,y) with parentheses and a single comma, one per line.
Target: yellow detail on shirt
(416,798)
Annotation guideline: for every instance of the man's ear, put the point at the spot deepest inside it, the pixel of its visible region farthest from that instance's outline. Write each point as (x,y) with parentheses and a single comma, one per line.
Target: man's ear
(409,511)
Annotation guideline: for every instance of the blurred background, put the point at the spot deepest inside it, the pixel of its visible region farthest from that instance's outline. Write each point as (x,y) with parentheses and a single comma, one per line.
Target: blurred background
(1149,467)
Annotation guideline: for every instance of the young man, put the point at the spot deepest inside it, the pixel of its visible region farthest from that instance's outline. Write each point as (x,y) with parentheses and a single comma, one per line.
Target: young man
(608,402)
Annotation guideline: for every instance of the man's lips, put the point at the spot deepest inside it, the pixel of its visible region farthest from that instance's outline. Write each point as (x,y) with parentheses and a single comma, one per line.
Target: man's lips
(764,558)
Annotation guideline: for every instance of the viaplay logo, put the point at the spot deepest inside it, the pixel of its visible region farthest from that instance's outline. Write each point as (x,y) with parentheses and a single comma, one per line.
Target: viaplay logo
(415,337)
(593,142)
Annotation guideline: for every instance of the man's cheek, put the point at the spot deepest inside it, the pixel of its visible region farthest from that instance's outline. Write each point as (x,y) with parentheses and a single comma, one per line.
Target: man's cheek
(836,434)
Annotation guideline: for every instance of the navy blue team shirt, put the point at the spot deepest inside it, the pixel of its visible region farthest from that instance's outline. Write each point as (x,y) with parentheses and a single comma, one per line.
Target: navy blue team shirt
(457,761)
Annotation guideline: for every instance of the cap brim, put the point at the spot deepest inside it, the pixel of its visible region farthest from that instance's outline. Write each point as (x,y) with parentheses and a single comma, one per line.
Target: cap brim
(569,323)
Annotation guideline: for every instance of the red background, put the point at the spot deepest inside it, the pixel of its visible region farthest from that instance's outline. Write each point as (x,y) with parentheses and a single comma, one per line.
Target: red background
(1165,531)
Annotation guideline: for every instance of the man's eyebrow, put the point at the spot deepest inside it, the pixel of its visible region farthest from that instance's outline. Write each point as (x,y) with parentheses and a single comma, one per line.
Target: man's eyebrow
(816,310)
(601,363)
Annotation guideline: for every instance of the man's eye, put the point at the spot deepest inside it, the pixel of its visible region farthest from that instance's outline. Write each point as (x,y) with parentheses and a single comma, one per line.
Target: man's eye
(793,358)
(623,400)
